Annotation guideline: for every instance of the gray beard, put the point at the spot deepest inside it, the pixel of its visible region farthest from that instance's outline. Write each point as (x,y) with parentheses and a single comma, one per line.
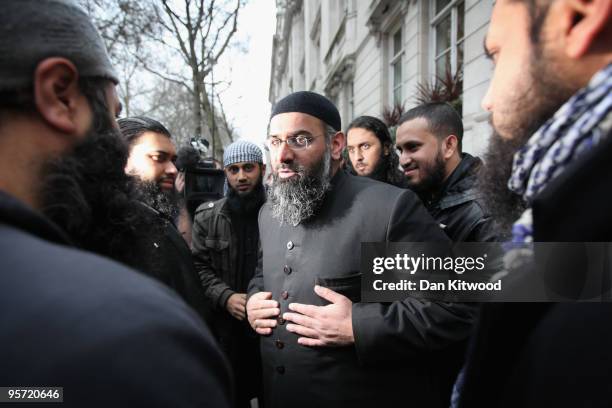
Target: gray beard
(295,201)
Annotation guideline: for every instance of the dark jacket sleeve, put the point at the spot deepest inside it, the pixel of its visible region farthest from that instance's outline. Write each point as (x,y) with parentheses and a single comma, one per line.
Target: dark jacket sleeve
(256,284)
(480,224)
(215,289)
(484,231)
(402,329)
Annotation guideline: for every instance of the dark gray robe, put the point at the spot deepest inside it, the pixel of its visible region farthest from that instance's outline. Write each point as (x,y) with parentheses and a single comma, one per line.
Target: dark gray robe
(404,353)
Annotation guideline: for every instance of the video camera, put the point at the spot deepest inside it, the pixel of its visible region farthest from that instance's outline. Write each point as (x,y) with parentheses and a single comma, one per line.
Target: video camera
(203,182)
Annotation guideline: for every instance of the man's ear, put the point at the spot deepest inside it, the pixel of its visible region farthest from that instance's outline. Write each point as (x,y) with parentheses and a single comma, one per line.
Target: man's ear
(337,144)
(450,144)
(386,149)
(586,21)
(58,98)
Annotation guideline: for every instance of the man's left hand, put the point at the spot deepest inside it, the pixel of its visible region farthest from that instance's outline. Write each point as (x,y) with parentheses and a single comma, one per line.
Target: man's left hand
(330,325)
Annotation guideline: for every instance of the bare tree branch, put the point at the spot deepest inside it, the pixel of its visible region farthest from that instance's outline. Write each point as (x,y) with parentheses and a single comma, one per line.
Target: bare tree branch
(209,21)
(173,15)
(176,31)
(147,68)
(194,32)
(227,39)
(166,44)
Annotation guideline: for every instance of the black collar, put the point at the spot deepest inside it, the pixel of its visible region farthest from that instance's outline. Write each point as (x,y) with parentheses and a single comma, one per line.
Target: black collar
(16,214)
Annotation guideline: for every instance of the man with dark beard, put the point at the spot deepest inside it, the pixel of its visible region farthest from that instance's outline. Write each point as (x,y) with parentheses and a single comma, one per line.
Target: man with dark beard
(89,196)
(225,243)
(320,345)
(504,205)
(551,98)
(429,143)
(151,162)
(69,318)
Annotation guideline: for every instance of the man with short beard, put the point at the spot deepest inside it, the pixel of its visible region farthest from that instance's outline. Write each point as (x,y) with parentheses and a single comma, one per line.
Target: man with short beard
(550,98)
(69,318)
(225,244)
(429,140)
(151,162)
(320,345)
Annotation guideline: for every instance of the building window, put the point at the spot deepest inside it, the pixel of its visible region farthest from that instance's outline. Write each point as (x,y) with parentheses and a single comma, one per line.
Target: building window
(396,51)
(448,35)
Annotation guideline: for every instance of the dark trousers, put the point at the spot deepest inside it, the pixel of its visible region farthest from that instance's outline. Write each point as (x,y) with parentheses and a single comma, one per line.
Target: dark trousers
(241,345)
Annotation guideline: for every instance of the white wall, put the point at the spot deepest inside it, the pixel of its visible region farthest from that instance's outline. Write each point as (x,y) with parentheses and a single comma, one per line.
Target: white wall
(476,76)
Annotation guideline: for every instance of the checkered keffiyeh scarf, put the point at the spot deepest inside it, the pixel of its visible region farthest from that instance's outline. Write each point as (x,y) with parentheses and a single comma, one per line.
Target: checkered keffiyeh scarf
(579,125)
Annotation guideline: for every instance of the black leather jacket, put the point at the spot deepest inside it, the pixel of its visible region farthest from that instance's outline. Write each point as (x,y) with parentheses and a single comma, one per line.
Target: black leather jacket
(458,206)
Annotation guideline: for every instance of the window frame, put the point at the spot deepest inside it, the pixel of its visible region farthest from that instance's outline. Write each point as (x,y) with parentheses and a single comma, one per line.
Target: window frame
(394,59)
(436,17)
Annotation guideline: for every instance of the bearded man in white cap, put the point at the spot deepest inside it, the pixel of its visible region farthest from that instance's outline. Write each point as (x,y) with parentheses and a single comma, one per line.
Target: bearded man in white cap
(225,244)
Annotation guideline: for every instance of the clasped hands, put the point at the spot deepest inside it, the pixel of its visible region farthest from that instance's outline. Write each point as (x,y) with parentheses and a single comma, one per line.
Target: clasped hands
(329,325)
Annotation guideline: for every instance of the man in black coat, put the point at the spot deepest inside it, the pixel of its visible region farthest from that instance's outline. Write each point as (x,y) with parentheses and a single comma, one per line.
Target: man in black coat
(151,161)
(320,345)
(429,139)
(68,318)
(551,98)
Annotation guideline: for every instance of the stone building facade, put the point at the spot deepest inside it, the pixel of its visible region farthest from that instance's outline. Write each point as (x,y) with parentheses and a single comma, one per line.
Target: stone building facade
(366,55)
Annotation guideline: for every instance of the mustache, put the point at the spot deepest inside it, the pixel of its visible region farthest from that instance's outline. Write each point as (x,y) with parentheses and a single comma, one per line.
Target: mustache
(167,178)
(409,166)
(298,169)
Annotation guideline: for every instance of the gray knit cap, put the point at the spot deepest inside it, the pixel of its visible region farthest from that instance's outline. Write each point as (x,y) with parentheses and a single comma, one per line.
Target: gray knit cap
(242,151)
(33,30)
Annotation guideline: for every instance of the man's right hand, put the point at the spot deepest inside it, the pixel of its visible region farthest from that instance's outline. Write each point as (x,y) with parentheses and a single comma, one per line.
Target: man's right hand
(236,305)
(262,312)
(179,182)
